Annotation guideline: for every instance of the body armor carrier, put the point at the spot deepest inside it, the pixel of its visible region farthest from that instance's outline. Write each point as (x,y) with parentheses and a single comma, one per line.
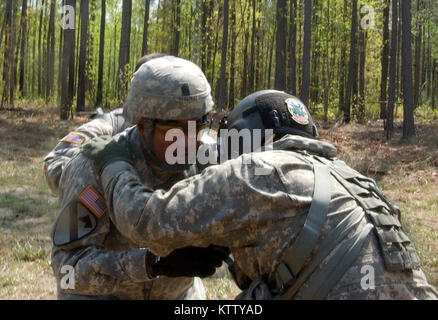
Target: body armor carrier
(396,248)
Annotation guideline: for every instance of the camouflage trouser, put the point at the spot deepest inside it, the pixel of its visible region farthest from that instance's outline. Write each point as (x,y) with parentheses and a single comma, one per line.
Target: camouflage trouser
(194,292)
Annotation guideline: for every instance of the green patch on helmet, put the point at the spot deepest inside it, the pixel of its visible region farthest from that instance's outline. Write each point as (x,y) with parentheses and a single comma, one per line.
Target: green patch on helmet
(297,111)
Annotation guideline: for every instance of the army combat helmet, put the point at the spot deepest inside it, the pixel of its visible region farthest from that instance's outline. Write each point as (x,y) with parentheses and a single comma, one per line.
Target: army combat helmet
(276,110)
(167,88)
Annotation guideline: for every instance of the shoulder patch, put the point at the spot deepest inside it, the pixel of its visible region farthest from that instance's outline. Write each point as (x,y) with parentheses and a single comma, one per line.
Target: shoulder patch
(73,223)
(93,201)
(297,111)
(75,138)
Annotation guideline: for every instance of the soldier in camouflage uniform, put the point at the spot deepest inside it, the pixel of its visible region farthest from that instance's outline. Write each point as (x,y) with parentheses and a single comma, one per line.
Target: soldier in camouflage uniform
(100,124)
(309,227)
(97,248)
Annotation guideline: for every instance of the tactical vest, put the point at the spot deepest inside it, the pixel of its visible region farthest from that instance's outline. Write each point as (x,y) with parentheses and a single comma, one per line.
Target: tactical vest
(396,248)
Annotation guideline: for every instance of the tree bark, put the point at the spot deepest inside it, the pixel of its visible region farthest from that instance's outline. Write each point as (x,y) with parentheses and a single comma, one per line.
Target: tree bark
(177,27)
(392,71)
(252,59)
(40,63)
(82,77)
(8,63)
(21,87)
(125,42)
(305,88)
(408,104)
(233,55)
(101,54)
(362,71)
(50,75)
(352,69)
(292,48)
(223,79)
(385,60)
(327,65)
(280,48)
(144,48)
(417,65)
(67,72)
(342,64)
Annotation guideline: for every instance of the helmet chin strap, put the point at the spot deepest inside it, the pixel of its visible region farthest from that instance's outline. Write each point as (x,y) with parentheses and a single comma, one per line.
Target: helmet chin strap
(150,153)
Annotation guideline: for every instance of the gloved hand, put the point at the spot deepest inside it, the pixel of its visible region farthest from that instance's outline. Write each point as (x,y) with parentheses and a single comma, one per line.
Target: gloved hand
(103,151)
(186,262)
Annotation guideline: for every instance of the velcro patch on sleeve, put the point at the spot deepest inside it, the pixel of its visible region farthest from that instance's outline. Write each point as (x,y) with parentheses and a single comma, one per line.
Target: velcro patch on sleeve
(75,138)
(93,201)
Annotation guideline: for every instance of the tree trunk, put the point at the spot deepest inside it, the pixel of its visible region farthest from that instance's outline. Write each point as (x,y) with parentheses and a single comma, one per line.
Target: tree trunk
(101,54)
(434,86)
(68,54)
(144,48)
(305,88)
(50,74)
(252,59)
(61,41)
(9,54)
(293,45)
(362,71)
(327,65)
(82,77)
(125,42)
(233,55)
(280,49)
(40,90)
(408,104)
(177,27)
(417,66)
(352,69)
(21,87)
(385,59)
(223,78)
(392,71)
(342,64)
(271,52)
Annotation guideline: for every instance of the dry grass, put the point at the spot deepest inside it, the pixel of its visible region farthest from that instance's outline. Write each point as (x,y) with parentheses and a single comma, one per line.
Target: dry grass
(406,172)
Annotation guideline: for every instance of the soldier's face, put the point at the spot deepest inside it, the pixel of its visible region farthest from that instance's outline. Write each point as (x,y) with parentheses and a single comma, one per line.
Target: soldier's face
(163,139)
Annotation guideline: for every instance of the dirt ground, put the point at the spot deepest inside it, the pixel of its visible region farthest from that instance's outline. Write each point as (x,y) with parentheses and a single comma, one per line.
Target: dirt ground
(407,172)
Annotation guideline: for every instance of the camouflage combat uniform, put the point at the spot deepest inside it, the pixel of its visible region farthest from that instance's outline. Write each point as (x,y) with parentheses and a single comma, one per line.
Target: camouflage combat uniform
(107,261)
(258,217)
(101,124)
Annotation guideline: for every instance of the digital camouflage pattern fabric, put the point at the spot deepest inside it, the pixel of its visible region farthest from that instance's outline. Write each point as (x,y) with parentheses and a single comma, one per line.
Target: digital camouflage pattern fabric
(168,88)
(107,261)
(101,124)
(257,216)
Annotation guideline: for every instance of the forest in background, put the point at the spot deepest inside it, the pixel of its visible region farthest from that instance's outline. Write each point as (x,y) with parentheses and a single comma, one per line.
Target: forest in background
(346,59)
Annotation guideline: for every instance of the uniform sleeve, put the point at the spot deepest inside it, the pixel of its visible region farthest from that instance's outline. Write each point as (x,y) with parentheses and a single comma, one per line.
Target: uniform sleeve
(96,271)
(220,206)
(99,272)
(55,161)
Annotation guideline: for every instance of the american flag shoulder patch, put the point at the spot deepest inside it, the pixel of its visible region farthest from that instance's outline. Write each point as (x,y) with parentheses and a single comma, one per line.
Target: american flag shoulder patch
(75,138)
(93,201)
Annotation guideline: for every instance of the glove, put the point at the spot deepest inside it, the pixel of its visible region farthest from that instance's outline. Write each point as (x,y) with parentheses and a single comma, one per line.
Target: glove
(103,151)
(186,262)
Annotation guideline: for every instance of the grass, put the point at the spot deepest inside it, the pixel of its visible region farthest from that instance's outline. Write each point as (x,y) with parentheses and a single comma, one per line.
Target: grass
(406,171)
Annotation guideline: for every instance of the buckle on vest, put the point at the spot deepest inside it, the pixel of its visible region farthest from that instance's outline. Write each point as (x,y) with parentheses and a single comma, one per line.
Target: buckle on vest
(283,278)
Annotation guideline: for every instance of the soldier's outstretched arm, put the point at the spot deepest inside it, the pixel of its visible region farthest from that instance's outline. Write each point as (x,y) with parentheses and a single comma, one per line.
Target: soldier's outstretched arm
(217,207)
(102,124)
